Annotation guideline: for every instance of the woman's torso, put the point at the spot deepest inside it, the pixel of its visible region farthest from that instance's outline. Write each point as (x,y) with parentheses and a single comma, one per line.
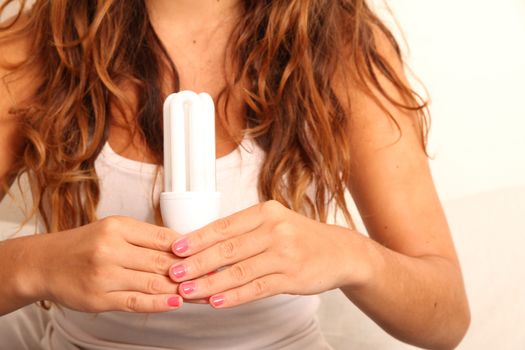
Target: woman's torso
(279,322)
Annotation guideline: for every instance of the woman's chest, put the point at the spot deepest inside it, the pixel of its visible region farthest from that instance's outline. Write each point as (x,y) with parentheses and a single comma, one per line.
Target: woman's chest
(132,188)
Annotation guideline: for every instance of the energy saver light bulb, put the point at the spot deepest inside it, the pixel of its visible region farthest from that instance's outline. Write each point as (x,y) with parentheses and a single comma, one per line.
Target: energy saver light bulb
(190,199)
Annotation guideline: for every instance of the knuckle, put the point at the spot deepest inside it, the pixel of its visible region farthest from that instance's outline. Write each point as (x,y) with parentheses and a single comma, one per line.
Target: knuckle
(96,307)
(209,284)
(93,304)
(101,303)
(199,239)
(281,228)
(132,303)
(162,238)
(110,223)
(222,226)
(284,231)
(152,286)
(259,287)
(271,208)
(198,264)
(155,304)
(101,252)
(227,249)
(161,263)
(285,234)
(236,296)
(238,272)
(289,254)
(288,243)
(95,275)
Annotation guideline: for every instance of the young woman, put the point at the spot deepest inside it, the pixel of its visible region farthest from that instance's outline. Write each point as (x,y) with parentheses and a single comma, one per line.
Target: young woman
(312,103)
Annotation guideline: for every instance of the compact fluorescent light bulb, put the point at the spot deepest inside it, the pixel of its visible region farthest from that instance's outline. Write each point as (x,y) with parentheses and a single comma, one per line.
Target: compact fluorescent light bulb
(190,199)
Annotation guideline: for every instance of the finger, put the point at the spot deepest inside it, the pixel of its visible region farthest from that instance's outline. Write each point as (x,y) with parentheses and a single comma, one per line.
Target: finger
(201,300)
(140,302)
(257,289)
(227,227)
(232,277)
(221,254)
(142,234)
(143,282)
(147,260)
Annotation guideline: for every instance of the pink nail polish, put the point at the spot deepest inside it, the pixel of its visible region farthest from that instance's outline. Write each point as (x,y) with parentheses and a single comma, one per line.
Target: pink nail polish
(217,300)
(188,287)
(178,271)
(180,246)
(174,301)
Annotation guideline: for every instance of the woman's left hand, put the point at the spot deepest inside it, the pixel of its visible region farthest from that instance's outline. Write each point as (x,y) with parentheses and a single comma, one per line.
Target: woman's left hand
(267,250)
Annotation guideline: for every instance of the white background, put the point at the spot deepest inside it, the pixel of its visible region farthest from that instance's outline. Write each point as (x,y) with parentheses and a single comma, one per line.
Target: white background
(470,54)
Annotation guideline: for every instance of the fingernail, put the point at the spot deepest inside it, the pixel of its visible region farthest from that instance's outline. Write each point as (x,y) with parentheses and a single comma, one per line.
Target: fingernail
(180,246)
(217,300)
(174,301)
(178,271)
(188,287)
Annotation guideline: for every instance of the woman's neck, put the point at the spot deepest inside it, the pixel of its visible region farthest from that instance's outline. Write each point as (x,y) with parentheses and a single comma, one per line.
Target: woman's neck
(195,34)
(191,15)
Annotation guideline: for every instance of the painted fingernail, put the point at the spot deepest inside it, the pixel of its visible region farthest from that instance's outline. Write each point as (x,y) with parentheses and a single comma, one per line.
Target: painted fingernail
(217,300)
(174,301)
(188,287)
(180,246)
(178,271)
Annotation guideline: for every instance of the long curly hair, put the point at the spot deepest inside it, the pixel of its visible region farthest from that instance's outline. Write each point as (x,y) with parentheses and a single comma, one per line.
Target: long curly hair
(283,59)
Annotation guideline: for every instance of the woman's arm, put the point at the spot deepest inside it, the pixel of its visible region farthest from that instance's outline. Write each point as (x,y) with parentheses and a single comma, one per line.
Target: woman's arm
(20,284)
(406,277)
(13,86)
(415,290)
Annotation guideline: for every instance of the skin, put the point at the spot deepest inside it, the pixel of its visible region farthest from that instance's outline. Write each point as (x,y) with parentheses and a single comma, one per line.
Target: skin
(406,276)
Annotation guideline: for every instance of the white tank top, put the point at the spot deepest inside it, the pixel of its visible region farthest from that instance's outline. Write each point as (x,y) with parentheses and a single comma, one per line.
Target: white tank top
(279,322)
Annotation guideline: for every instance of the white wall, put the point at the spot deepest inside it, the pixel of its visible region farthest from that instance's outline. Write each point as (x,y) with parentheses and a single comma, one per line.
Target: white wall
(470,54)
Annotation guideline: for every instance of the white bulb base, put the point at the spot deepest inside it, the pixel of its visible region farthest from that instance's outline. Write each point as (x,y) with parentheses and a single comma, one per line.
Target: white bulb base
(185,212)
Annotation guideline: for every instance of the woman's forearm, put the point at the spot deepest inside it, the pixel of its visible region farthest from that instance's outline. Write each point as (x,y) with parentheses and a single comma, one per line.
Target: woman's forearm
(18,270)
(419,300)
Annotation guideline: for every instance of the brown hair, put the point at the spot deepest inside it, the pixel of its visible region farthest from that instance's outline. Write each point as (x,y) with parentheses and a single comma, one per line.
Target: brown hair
(285,55)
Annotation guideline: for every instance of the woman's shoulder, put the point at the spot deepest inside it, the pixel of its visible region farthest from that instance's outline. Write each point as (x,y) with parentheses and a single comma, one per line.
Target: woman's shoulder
(16,79)
(375,91)
(16,86)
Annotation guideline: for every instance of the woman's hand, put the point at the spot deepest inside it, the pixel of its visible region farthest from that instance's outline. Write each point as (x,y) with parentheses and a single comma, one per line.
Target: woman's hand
(268,250)
(117,263)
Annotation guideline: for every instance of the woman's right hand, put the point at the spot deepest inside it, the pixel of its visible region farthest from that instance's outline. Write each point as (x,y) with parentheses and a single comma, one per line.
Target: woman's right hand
(114,264)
